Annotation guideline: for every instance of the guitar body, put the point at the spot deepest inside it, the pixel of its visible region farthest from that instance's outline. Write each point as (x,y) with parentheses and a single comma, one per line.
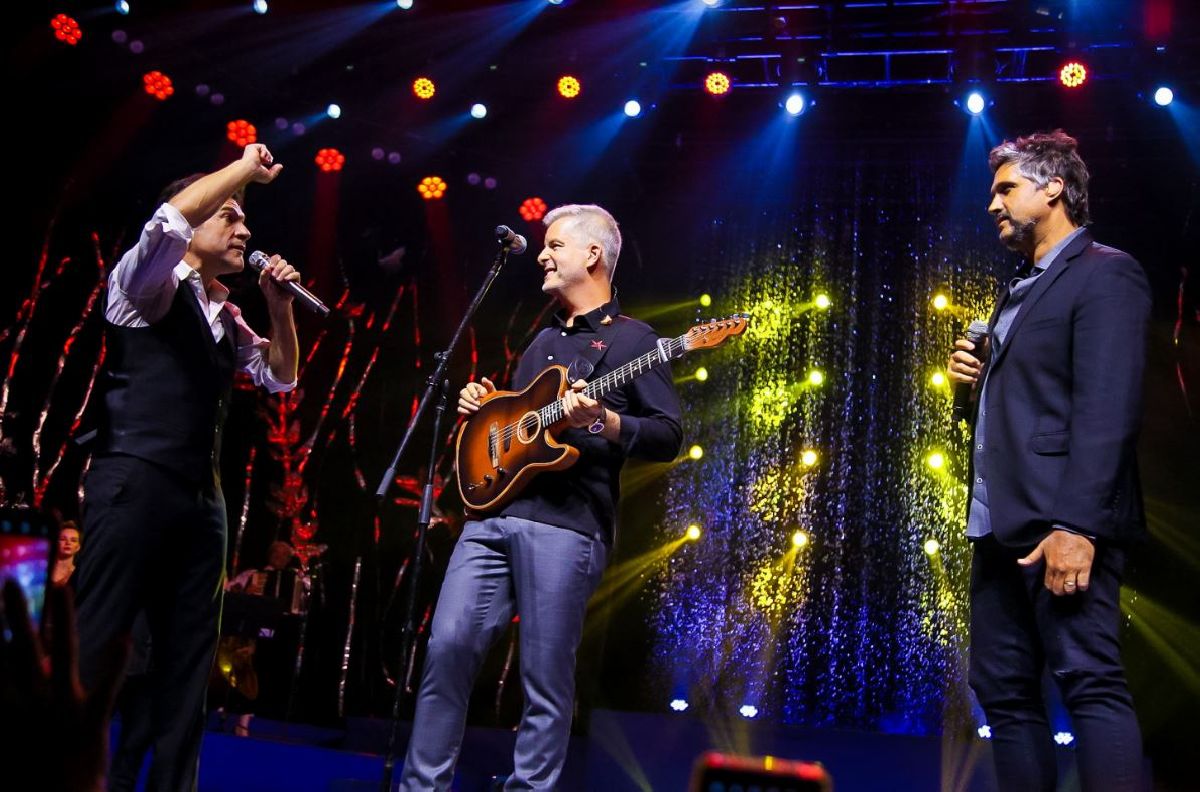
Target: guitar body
(494,465)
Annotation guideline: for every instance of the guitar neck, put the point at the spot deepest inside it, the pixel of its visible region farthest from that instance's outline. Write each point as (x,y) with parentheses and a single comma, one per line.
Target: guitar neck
(667,349)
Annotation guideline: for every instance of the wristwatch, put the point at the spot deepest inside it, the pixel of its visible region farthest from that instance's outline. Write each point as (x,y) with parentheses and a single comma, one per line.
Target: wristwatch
(598,425)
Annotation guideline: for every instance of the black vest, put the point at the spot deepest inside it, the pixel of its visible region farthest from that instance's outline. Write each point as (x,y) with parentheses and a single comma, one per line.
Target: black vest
(165,390)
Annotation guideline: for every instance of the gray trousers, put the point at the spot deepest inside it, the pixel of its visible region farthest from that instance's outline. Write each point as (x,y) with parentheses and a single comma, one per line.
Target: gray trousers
(502,566)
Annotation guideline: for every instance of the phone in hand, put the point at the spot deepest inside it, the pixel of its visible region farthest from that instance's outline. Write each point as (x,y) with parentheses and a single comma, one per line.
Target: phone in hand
(28,539)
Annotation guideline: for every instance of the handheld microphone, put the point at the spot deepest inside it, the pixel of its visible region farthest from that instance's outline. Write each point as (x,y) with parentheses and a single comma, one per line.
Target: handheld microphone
(977,334)
(258,262)
(515,243)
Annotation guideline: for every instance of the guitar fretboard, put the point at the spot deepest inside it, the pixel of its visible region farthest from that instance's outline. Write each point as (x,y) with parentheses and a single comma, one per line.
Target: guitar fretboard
(618,377)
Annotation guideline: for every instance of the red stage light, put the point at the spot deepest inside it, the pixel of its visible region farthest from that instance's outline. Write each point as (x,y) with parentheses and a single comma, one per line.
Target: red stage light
(569,87)
(532,209)
(432,188)
(717,83)
(158,85)
(424,88)
(330,159)
(66,29)
(241,132)
(1073,74)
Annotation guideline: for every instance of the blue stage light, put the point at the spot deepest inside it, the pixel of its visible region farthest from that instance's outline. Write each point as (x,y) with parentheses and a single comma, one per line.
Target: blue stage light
(333,111)
(1163,96)
(748,711)
(555,2)
(711,3)
(985,732)
(679,705)
(122,7)
(633,108)
(975,103)
(259,6)
(478,110)
(1064,738)
(795,104)
(404,4)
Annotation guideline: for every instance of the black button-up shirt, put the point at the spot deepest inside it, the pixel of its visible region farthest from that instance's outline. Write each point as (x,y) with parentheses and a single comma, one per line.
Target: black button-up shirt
(584,497)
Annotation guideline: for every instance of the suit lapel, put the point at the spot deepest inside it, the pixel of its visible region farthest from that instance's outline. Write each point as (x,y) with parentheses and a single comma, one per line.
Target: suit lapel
(1040,286)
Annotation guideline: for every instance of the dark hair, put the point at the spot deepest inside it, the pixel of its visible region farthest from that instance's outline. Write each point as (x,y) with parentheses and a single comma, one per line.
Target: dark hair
(178,186)
(1043,156)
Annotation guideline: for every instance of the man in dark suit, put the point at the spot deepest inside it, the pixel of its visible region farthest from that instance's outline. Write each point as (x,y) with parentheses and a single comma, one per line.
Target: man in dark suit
(1055,500)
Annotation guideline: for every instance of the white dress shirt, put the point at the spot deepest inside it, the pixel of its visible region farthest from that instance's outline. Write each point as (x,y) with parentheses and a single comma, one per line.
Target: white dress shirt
(143,285)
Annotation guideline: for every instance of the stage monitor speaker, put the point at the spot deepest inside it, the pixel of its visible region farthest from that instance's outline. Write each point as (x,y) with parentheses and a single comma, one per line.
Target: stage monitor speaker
(718,772)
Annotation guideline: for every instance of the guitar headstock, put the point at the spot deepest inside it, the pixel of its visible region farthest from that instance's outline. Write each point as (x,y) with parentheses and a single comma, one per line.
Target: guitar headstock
(715,332)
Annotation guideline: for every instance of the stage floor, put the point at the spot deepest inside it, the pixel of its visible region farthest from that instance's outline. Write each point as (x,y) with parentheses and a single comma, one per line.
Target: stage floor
(623,751)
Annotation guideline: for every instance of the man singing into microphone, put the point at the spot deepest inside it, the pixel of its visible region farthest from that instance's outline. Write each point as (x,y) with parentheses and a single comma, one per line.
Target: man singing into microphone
(153,510)
(1055,500)
(542,556)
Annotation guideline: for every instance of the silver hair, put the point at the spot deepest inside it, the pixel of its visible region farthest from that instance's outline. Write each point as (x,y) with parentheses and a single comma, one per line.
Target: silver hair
(596,225)
(1043,156)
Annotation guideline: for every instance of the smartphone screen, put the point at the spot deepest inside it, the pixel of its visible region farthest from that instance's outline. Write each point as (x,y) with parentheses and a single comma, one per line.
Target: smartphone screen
(26,552)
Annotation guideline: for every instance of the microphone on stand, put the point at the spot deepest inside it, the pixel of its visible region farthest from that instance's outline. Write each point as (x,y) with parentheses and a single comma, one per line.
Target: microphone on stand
(258,262)
(977,334)
(515,243)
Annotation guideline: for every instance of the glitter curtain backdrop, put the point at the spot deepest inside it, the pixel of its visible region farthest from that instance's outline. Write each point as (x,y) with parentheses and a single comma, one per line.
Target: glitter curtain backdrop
(828,586)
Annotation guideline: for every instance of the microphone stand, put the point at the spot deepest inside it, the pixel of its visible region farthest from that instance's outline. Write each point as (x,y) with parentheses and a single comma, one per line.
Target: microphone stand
(436,382)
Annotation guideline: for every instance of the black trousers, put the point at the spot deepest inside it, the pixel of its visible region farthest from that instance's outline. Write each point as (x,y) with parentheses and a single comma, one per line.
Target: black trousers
(154,543)
(1018,629)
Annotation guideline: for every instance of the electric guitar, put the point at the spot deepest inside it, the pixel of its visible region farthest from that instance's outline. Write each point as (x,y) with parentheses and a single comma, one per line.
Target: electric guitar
(513,436)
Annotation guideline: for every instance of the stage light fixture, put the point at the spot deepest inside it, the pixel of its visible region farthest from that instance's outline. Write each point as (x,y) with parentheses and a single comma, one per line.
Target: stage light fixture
(1064,738)
(938,379)
(692,533)
(259,6)
(932,546)
(935,460)
(795,104)
(984,731)
(799,539)
(66,29)
(695,452)
(816,377)
(1073,74)
(748,711)
(478,110)
(432,188)
(633,108)
(241,132)
(122,7)
(808,458)
(701,374)
(975,103)
(717,83)
(404,5)
(158,85)
(532,209)
(940,302)
(334,111)
(329,159)
(678,705)
(555,2)
(569,86)
(705,300)
(1163,96)
(711,3)
(423,88)
(822,301)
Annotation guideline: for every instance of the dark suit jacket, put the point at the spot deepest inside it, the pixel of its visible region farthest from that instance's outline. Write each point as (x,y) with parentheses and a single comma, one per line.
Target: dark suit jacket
(1064,401)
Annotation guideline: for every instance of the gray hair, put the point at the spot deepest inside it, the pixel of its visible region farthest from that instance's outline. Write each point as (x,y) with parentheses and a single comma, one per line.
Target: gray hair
(1043,156)
(596,225)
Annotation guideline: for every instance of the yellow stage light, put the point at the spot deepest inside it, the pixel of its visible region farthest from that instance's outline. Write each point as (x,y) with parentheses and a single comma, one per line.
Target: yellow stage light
(695,452)
(705,300)
(701,374)
(799,539)
(941,302)
(935,460)
(693,532)
(938,379)
(932,546)
(809,458)
(822,301)
(816,377)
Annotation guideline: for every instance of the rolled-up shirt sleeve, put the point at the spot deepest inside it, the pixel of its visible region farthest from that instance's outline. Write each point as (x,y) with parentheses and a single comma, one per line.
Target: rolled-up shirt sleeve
(141,286)
(252,355)
(651,427)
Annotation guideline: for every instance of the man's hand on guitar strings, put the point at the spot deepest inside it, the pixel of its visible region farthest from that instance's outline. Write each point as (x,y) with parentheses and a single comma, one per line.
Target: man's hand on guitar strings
(581,411)
(469,396)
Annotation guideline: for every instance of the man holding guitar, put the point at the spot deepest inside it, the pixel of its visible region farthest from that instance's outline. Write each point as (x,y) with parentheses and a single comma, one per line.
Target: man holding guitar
(540,552)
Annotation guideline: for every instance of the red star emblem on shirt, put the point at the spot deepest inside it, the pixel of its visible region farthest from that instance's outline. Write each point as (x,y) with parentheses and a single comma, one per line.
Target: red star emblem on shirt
(598,344)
